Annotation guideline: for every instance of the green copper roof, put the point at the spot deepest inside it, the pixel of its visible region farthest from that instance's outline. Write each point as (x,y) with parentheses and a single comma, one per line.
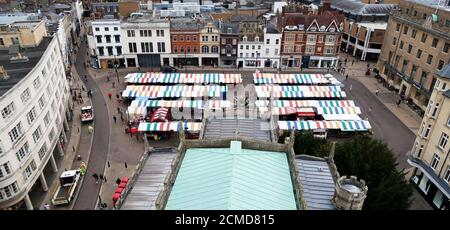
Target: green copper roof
(232,179)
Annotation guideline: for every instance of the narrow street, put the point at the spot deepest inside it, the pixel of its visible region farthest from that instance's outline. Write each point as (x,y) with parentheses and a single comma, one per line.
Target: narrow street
(88,194)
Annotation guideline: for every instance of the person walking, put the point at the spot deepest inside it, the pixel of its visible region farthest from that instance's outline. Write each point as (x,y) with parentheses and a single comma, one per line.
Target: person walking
(346,77)
(95,177)
(118,110)
(46,206)
(121,117)
(113,84)
(353,61)
(399,101)
(377,91)
(109,95)
(351,86)
(115,119)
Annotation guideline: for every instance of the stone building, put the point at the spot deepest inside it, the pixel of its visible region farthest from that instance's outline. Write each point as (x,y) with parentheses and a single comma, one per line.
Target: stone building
(416,45)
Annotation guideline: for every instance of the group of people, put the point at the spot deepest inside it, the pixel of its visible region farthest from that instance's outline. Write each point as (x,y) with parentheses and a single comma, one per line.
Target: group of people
(99,177)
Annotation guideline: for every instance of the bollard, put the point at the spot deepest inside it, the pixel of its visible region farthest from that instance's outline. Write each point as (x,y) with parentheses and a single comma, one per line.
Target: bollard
(126,166)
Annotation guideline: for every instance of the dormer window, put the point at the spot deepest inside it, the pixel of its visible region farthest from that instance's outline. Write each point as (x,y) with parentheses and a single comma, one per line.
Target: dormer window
(256,39)
(244,38)
(229,30)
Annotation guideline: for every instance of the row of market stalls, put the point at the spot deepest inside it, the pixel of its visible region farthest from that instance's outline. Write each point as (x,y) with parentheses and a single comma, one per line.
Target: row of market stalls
(153,97)
(183,78)
(307,102)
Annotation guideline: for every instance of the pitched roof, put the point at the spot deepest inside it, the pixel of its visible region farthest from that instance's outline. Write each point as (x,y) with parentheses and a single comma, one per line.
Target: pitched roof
(317,181)
(359,8)
(234,28)
(295,19)
(232,179)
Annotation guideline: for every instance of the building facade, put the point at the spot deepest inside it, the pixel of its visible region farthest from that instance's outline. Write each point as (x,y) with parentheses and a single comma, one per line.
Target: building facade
(311,39)
(185,42)
(107,38)
(416,45)
(229,37)
(364,26)
(209,43)
(430,155)
(35,105)
(146,41)
(251,41)
(271,47)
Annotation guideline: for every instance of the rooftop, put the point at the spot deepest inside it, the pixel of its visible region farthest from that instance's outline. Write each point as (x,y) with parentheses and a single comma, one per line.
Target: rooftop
(249,128)
(243,18)
(150,180)
(232,179)
(234,28)
(17,71)
(374,25)
(359,8)
(185,24)
(434,3)
(447,93)
(272,29)
(317,182)
(444,72)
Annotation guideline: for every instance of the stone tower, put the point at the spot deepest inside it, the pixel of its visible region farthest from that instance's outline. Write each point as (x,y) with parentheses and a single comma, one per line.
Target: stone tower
(349,193)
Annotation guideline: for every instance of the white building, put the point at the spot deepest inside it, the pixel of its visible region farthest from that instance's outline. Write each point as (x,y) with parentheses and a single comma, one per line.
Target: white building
(34,105)
(271,48)
(146,41)
(250,52)
(107,43)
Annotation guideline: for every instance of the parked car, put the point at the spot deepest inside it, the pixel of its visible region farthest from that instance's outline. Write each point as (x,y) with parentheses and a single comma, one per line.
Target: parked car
(168,69)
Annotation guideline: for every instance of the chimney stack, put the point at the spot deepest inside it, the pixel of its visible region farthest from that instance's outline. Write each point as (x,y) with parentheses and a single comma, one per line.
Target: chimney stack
(349,193)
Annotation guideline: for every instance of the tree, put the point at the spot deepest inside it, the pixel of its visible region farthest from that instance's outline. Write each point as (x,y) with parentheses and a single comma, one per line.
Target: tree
(306,143)
(372,161)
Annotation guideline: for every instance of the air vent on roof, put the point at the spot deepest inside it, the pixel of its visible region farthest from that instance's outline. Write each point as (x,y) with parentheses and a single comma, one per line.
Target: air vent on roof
(3,74)
(18,58)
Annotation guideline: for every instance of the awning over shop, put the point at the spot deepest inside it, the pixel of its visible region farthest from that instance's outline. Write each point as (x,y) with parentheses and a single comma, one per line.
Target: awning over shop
(342,117)
(360,125)
(183,78)
(133,111)
(306,103)
(160,115)
(169,126)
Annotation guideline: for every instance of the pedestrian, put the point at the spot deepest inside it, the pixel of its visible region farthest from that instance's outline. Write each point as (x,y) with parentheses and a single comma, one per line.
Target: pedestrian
(346,77)
(121,117)
(109,95)
(95,177)
(115,119)
(351,86)
(113,84)
(46,206)
(107,77)
(102,179)
(118,110)
(117,96)
(377,91)
(399,101)
(353,61)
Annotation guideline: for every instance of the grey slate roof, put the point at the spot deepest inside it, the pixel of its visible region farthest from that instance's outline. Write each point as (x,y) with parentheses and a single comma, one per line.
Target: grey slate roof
(248,128)
(17,71)
(317,182)
(243,18)
(184,24)
(272,29)
(444,72)
(234,28)
(359,8)
(447,93)
(150,181)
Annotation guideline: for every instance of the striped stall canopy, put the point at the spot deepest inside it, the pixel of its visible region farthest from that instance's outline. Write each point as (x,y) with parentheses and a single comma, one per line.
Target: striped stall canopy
(133,111)
(312,88)
(169,126)
(338,110)
(271,78)
(177,88)
(307,103)
(169,94)
(177,78)
(359,125)
(301,94)
(341,117)
(198,104)
(289,110)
